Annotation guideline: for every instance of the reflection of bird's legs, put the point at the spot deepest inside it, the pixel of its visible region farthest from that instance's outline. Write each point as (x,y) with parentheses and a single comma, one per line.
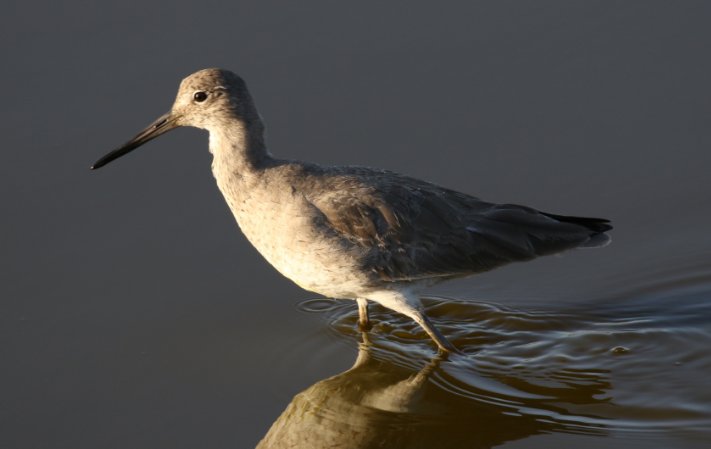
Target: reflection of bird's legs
(427,371)
(364,322)
(366,342)
(363,351)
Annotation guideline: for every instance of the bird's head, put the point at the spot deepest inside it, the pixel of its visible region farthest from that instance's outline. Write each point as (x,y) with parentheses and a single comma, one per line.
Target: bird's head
(208,99)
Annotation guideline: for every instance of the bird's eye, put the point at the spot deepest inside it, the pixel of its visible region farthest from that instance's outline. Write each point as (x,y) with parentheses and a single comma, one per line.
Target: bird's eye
(200,96)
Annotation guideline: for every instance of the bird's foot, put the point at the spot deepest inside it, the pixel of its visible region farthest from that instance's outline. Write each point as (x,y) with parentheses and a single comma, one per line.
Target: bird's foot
(366,326)
(444,352)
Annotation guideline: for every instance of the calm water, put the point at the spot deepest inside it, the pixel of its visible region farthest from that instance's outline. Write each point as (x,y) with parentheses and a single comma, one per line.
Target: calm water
(134,314)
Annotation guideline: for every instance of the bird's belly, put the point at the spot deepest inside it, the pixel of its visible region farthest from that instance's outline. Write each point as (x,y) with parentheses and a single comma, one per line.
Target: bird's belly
(314,268)
(295,247)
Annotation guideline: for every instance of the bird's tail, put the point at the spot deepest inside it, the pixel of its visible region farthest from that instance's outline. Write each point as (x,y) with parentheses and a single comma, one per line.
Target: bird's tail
(598,225)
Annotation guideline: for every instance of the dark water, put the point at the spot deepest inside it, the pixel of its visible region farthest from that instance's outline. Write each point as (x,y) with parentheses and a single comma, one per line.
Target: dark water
(630,366)
(133,313)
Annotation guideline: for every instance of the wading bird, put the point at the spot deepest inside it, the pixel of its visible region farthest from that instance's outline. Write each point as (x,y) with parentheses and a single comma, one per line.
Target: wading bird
(354,232)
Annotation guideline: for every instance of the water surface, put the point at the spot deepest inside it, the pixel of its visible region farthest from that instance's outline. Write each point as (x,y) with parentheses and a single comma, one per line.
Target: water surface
(631,367)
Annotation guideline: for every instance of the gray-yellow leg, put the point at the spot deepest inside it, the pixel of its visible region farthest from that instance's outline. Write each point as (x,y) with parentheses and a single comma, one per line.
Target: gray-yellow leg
(436,335)
(364,322)
(408,303)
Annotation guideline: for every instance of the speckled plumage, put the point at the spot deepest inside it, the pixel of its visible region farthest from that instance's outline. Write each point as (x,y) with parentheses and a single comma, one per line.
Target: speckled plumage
(354,232)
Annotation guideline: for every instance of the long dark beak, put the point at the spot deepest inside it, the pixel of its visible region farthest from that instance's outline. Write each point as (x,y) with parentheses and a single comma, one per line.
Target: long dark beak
(155,129)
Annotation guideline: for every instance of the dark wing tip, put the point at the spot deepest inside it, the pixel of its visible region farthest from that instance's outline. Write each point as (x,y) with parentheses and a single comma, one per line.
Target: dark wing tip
(594,224)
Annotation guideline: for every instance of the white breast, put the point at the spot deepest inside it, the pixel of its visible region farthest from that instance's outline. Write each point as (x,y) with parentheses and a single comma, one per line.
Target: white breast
(279,222)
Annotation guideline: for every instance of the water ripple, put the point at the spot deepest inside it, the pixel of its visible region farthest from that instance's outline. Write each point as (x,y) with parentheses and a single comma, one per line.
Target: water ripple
(634,365)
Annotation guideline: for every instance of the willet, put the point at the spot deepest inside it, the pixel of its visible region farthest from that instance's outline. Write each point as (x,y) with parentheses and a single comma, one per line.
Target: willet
(354,232)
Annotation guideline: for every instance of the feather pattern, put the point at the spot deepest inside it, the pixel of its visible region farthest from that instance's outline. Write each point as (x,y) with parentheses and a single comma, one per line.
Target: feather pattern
(405,229)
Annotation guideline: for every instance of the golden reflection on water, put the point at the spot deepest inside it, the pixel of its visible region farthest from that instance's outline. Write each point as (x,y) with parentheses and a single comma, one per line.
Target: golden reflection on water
(381,403)
(638,367)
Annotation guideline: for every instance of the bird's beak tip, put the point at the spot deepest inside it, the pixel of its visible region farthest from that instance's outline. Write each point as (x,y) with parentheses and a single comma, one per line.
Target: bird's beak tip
(160,126)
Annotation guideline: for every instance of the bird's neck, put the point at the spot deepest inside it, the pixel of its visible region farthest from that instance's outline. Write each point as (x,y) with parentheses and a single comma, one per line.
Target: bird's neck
(239,149)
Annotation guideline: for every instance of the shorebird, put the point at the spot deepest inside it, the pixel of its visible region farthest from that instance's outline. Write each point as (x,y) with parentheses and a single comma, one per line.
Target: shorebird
(354,232)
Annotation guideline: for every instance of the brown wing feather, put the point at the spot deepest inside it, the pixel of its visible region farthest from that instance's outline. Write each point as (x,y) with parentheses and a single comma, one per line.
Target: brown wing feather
(408,229)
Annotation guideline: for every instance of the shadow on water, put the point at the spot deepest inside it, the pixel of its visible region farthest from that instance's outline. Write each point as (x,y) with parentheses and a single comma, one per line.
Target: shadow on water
(636,369)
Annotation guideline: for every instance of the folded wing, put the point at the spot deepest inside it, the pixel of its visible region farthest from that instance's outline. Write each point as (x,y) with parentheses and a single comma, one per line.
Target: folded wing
(410,229)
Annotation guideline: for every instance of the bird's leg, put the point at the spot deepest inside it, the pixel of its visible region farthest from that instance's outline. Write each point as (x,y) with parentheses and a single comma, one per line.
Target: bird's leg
(436,335)
(364,322)
(408,303)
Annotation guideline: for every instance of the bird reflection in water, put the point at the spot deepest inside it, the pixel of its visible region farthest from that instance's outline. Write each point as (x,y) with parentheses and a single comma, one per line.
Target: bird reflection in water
(380,402)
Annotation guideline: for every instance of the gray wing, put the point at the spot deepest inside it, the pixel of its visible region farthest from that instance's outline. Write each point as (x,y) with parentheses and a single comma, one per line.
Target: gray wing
(406,229)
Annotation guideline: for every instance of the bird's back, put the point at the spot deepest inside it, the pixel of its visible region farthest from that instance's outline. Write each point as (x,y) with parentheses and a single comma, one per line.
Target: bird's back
(403,229)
